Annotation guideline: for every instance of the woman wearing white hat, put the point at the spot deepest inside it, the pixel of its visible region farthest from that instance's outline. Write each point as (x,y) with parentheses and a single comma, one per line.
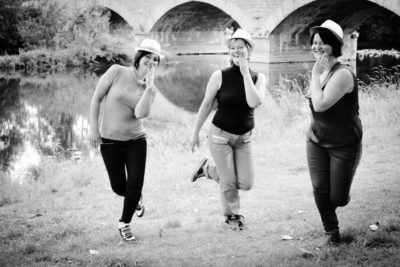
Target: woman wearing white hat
(238,90)
(128,94)
(335,133)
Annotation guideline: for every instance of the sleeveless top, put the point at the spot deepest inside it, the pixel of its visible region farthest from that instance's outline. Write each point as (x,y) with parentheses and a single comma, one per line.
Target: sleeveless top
(339,125)
(119,121)
(233,113)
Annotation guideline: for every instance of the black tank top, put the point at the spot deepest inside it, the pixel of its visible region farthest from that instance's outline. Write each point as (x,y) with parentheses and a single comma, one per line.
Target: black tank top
(340,125)
(234,114)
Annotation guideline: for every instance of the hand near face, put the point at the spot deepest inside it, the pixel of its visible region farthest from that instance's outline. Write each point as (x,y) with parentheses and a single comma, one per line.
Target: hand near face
(244,66)
(150,77)
(320,65)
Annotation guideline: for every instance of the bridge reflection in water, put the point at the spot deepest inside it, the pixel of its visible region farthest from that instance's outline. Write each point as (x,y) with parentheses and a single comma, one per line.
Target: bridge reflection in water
(47,114)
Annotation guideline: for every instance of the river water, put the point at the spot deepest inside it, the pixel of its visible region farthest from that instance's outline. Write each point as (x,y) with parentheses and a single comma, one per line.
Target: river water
(47,114)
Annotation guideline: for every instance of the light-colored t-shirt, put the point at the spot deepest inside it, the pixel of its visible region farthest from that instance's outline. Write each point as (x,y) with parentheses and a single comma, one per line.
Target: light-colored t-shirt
(119,121)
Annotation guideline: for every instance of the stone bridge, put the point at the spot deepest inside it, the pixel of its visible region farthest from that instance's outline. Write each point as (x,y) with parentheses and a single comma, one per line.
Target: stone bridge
(279,27)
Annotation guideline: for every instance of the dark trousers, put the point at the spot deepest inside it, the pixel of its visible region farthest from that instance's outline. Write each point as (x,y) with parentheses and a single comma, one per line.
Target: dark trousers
(125,162)
(332,171)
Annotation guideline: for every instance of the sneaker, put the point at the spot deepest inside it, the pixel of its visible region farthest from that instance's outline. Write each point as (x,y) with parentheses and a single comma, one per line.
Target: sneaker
(332,238)
(235,222)
(125,232)
(140,208)
(199,171)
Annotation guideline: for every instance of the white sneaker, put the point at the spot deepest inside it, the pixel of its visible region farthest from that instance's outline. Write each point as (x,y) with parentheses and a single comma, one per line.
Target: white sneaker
(140,209)
(125,232)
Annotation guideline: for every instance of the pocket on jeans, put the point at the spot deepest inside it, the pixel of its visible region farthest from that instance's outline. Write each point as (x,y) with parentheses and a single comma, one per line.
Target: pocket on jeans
(217,139)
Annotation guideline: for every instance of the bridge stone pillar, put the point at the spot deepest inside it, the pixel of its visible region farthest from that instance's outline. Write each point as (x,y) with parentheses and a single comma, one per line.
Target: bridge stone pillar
(349,49)
(261,50)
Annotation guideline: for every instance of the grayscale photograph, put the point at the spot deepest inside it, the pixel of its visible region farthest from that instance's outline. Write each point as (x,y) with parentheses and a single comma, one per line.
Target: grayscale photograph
(204,133)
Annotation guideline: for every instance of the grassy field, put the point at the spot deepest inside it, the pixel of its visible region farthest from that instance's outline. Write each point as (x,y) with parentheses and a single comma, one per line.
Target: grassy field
(68,217)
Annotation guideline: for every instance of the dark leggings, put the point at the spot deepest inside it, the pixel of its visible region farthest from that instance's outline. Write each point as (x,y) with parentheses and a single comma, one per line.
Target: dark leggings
(332,171)
(125,163)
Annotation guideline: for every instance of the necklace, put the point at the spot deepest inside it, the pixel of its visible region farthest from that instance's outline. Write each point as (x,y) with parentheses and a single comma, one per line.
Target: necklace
(140,83)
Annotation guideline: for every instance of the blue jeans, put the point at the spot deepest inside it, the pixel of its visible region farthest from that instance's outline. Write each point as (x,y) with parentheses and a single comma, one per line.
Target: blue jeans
(332,171)
(233,157)
(125,162)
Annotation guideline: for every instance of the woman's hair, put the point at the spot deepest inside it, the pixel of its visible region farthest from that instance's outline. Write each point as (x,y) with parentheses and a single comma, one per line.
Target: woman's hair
(138,56)
(330,39)
(249,47)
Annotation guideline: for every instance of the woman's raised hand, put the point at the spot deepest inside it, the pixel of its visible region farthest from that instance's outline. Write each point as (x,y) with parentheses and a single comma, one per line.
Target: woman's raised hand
(244,66)
(320,65)
(150,77)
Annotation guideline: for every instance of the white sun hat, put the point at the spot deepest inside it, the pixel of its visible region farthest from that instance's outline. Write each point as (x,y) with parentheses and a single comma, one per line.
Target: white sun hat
(151,46)
(241,34)
(333,27)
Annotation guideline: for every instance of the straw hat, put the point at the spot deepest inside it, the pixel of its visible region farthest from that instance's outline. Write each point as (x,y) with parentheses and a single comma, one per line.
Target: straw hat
(241,34)
(331,26)
(151,46)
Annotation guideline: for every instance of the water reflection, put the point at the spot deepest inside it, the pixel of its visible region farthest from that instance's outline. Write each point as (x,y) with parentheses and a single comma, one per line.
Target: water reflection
(42,115)
(183,80)
(47,114)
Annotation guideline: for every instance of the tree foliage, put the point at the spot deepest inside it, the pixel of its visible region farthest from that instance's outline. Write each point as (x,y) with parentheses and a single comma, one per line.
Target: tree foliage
(40,23)
(381,31)
(54,24)
(10,39)
(83,27)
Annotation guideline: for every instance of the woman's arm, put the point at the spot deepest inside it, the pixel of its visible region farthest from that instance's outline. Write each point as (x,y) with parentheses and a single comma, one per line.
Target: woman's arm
(338,85)
(143,107)
(254,92)
(206,106)
(102,87)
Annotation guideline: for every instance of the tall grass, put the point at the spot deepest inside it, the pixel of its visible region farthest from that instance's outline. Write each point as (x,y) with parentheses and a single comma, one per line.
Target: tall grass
(69,209)
(382,79)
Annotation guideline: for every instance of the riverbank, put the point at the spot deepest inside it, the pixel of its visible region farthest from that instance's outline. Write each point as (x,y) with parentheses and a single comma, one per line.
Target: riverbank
(44,60)
(68,214)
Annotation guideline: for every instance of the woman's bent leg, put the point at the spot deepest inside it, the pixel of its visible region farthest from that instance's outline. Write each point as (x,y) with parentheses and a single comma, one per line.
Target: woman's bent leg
(135,153)
(111,152)
(222,154)
(244,162)
(344,162)
(319,166)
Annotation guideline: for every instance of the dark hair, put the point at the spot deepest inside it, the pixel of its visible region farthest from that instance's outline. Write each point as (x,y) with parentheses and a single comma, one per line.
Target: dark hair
(138,56)
(330,39)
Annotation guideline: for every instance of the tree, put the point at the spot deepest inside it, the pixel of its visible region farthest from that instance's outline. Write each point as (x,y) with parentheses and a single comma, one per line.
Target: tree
(40,23)
(10,39)
(381,31)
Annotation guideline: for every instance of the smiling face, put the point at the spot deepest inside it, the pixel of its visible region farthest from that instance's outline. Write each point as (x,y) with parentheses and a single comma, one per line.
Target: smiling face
(148,61)
(318,47)
(238,48)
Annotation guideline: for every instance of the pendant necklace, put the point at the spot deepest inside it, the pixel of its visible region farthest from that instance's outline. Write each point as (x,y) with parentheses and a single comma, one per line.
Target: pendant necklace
(140,83)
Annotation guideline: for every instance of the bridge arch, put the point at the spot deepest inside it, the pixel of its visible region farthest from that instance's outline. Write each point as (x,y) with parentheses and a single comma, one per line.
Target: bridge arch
(289,24)
(227,7)
(289,6)
(121,10)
